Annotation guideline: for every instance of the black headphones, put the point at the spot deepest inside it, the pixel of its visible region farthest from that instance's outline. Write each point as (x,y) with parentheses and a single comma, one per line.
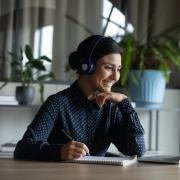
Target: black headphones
(87,66)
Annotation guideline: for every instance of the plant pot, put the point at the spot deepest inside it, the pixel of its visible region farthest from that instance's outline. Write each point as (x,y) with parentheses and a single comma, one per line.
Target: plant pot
(25,95)
(148,89)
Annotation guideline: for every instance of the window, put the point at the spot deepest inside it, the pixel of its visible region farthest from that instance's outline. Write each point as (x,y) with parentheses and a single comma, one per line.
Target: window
(114,22)
(43,43)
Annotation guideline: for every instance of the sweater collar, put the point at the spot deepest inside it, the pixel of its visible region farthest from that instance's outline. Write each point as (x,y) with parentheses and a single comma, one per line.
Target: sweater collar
(79,95)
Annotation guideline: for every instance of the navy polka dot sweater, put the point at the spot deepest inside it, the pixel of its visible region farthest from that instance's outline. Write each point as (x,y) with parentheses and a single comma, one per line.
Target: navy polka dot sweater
(85,122)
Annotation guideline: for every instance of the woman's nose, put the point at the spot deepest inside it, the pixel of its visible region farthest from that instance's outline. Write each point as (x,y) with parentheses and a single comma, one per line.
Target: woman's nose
(116,75)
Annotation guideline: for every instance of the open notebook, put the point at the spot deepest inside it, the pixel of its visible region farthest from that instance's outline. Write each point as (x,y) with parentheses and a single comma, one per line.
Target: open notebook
(166,159)
(122,161)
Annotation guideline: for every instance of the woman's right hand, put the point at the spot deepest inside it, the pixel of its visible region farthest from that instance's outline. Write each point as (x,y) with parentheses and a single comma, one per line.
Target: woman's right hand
(73,150)
(102,97)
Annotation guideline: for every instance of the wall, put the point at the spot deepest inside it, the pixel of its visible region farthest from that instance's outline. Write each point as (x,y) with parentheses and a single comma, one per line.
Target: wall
(14,121)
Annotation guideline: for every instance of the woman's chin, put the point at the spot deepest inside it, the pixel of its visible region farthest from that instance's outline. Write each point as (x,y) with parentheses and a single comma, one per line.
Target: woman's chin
(106,89)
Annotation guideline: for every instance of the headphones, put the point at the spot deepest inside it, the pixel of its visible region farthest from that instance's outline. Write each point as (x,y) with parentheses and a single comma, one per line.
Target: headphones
(87,66)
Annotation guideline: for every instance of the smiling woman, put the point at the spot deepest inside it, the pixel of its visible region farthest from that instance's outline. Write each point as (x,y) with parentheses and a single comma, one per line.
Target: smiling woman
(89,112)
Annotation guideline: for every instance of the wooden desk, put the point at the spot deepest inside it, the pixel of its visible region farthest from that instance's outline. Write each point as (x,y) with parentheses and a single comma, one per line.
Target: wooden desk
(31,170)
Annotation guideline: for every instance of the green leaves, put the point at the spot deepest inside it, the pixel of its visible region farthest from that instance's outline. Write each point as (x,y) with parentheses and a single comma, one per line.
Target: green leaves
(45,58)
(128,44)
(30,68)
(29,65)
(37,64)
(28,53)
(159,52)
(17,60)
(46,76)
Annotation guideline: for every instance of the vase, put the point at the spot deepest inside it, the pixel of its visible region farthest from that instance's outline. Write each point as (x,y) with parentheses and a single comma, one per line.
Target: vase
(25,95)
(149,88)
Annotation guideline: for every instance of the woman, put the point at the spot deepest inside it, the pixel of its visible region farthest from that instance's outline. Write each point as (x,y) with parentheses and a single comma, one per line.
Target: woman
(88,116)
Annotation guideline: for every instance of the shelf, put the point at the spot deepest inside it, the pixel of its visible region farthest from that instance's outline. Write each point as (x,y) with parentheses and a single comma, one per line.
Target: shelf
(20,106)
(155,109)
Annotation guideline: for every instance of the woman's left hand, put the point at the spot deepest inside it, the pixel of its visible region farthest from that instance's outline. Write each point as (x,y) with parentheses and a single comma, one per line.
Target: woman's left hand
(102,97)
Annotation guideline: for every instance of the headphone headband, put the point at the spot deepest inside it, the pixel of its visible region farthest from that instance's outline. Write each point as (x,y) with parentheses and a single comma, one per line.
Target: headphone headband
(87,65)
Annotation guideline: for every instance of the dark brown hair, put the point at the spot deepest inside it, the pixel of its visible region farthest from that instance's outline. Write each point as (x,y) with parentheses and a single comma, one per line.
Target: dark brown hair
(105,46)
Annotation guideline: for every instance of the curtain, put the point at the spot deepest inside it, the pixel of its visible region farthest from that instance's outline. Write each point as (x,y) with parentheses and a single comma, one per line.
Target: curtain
(74,21)
(71,22)
(18,22)
(161,14)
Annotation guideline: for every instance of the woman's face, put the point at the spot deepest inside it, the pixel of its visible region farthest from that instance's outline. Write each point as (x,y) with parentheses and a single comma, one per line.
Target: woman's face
(107,72)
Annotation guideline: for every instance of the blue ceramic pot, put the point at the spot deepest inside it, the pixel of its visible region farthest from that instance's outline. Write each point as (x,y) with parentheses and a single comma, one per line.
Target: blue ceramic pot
(146,89)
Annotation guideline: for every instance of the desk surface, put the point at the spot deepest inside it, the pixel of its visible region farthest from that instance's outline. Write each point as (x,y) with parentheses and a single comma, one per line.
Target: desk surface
(32,170)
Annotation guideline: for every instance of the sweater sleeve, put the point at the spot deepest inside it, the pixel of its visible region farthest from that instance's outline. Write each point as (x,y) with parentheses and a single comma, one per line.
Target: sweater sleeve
(34,143)
(127,133)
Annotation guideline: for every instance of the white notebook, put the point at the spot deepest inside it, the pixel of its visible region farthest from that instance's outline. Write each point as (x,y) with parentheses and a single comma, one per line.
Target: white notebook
(122,161)
(166,159)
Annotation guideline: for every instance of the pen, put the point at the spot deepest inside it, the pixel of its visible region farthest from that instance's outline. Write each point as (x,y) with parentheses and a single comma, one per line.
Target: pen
(69,137)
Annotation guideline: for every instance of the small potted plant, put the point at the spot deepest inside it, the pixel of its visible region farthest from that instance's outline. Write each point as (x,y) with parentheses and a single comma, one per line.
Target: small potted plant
(143,61)
(26,72)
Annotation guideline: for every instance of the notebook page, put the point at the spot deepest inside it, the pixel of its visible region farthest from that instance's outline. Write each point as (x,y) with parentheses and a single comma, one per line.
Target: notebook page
(123,161)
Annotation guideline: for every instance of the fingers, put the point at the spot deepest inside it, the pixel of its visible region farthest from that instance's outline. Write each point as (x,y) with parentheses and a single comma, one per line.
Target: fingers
(73,150)
(101,98)
(81,146)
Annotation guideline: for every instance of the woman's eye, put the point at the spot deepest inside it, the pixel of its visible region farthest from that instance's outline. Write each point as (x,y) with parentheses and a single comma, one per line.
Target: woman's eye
(108,67)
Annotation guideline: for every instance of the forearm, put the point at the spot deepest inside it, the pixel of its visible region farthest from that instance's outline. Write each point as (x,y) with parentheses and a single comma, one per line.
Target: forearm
(133,145)
(34,144)
(129,142)
(132,133)
(37,150)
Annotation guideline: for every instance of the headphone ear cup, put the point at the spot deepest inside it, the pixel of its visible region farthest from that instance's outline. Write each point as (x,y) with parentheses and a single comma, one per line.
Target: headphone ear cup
(92,68)
(87,67)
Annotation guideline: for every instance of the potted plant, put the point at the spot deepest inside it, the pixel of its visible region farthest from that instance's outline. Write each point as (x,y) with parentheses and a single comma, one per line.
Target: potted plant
(141,62)
(26,72)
